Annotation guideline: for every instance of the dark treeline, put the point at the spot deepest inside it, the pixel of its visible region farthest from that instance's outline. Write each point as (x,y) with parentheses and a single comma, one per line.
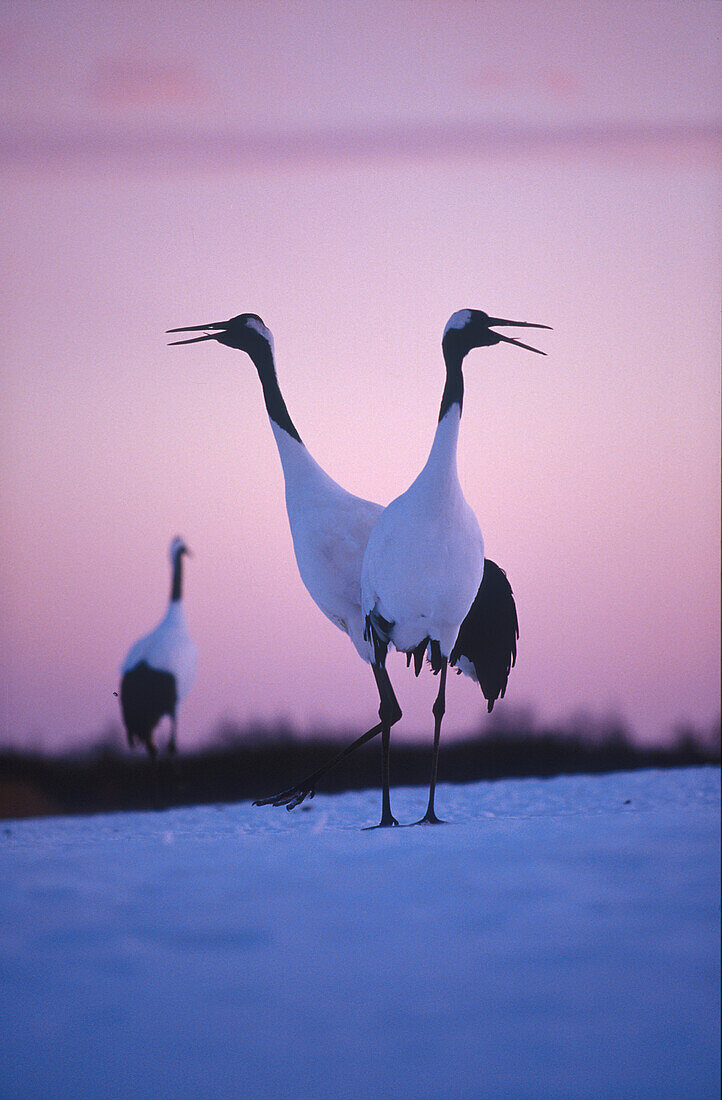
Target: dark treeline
(251,763)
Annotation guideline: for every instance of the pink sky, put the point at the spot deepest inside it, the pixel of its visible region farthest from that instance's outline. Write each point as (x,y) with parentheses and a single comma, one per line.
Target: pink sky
(145,185)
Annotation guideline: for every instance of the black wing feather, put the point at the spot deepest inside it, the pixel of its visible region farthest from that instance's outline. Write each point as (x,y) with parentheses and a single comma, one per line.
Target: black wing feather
(489,633)
(146,694)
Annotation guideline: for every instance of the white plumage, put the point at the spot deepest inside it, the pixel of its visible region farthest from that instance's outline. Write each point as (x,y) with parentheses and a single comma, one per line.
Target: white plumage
(425,556)
(168,648)
(159,669)
(330,528)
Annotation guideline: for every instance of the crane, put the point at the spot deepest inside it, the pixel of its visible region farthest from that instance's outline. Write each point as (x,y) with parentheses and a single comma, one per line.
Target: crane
(424,562)
(330,529)
(160,667)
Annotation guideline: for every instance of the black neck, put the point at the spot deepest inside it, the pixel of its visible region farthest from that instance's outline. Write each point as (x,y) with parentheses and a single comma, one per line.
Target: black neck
(175,591)
(454,389)
(275,405)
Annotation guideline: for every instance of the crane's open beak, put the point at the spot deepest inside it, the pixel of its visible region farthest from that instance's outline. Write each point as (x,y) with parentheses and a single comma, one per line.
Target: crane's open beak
(496,322)
(219,326)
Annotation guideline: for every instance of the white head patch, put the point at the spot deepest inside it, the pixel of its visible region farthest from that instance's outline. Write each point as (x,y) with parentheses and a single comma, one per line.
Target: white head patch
(176,545)
(260,328)
(460,319)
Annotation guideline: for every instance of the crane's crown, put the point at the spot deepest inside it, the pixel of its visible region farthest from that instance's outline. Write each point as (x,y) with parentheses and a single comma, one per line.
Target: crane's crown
(243,327)
(460,319)
(177,547)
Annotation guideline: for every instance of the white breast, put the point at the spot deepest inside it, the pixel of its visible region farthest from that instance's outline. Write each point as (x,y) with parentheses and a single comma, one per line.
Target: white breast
(168,648)
(422,572)
(330,529)
(425,557)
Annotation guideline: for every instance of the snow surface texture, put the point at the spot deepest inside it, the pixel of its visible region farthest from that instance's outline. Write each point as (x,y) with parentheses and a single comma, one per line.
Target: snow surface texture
(558,940)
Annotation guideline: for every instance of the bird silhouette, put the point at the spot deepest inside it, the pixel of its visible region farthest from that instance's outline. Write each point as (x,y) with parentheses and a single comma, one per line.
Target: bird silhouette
(160,667)
(424,563)
(330,529)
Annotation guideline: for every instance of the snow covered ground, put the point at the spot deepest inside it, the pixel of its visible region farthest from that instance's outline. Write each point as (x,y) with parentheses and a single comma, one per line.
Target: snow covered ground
(560,938)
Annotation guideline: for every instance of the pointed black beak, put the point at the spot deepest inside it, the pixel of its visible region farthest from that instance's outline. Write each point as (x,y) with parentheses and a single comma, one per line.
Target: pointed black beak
(496,322)
(493,322)
(518,343)
(219,326)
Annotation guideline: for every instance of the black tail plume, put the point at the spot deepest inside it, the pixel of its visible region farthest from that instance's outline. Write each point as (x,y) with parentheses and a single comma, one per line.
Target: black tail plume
(488,635)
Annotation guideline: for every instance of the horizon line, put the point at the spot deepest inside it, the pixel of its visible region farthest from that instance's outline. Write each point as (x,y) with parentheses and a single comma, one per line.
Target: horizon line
(232,146)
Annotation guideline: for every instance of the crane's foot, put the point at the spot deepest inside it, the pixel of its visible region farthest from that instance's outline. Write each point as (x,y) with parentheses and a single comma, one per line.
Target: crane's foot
(291,798)
(387,822)
(430,818)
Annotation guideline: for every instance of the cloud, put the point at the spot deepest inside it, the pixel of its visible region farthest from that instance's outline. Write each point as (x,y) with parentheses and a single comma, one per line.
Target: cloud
(134,82)
(553,83)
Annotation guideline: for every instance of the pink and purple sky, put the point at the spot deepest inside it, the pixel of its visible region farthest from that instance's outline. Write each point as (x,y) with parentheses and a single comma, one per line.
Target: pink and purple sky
(355,173)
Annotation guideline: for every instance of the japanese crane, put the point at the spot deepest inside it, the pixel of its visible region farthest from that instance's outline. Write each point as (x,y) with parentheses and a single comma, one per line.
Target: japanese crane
(424,562)
(330,529)
(160,668)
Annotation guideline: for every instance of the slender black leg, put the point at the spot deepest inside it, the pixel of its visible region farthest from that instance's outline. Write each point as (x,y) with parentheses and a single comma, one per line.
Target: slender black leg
(172,742)
(438,709)
(387,818)
(389,712)
(389,709)
(294,796)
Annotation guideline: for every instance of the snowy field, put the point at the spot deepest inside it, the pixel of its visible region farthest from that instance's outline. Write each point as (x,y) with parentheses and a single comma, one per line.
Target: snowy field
(559,938)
